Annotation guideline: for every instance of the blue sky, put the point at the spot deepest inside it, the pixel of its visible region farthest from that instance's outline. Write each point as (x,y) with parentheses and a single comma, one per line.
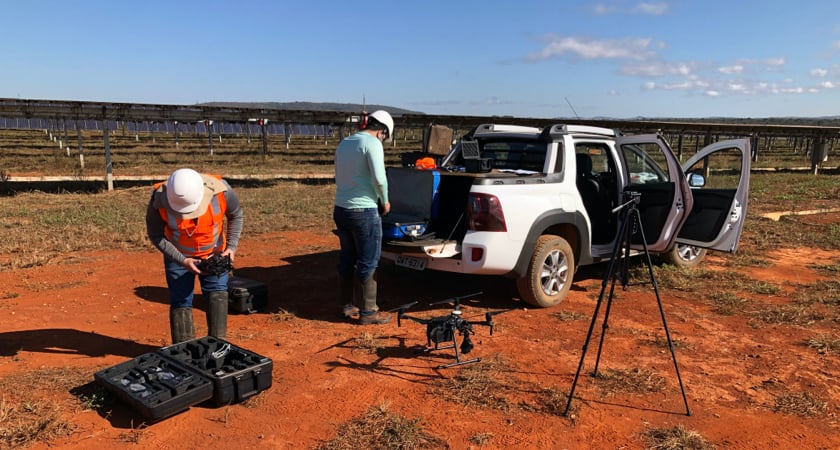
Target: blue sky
(608,58)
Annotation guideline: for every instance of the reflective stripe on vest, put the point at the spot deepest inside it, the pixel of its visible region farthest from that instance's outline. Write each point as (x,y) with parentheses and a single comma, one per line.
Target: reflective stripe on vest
(206,234)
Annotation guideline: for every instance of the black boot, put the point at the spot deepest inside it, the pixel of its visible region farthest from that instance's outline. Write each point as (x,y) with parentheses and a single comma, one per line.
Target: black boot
(217,308)
(181,324)
(370,313)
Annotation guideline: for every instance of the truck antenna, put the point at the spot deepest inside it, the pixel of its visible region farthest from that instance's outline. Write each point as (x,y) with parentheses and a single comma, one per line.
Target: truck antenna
(573,108)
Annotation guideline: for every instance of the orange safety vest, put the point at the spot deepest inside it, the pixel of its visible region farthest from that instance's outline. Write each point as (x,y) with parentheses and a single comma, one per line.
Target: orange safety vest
(200,236)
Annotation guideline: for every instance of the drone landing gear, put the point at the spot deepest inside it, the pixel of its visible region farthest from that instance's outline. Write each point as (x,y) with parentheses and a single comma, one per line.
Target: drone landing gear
(453,345)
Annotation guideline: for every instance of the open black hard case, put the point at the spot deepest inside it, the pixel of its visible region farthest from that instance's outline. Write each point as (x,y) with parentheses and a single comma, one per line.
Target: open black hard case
(171,379)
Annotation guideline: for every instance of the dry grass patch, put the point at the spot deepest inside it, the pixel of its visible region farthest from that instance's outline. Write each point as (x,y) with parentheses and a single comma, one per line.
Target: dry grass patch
(825,345)
(675,438)
(369,342)
(727,303)
(481,384)
(380,429)
(826,269)
(481,439)
(801,404)
(568,316)
(552,401)
(786,314)
(823,292)
(632,381)
(27,415)
(282,315)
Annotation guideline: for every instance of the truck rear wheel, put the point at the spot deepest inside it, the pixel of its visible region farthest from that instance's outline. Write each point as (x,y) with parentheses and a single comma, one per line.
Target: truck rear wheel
(550,272)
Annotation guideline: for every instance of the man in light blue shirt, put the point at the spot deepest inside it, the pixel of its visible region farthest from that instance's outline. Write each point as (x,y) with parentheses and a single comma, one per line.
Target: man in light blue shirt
(361,191)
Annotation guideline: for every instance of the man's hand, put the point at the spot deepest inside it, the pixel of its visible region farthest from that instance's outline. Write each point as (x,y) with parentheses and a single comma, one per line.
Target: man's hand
(192,265)
(386,208)
(231,253)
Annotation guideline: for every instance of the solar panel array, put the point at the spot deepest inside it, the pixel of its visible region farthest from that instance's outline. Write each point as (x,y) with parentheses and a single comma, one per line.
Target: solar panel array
(224,128)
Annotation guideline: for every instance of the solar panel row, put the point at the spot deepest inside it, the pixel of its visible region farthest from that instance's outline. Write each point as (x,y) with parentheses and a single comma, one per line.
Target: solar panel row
(21,123)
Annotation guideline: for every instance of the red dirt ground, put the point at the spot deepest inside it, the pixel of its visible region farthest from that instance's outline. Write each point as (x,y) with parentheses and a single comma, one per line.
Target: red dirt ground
(92,311)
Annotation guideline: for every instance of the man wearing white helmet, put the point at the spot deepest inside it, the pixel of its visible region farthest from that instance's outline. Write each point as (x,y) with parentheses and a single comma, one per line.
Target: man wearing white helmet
(191,217)
(360,187)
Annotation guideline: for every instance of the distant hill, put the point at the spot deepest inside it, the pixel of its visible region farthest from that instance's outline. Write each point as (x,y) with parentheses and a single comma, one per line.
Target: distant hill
(312,106)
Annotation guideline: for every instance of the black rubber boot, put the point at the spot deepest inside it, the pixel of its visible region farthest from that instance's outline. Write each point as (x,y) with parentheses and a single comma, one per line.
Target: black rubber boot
(370,314)
(217,309)
(181,324)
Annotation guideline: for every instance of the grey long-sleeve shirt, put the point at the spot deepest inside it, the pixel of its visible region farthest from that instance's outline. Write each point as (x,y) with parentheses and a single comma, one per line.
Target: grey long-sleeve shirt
(155,225)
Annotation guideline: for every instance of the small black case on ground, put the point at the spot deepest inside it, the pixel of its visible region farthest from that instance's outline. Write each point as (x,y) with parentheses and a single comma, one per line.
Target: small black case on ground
(245,295)
(236,373)
(155,386)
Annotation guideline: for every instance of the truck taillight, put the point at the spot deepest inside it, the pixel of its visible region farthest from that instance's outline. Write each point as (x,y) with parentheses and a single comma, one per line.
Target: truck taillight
(484,213)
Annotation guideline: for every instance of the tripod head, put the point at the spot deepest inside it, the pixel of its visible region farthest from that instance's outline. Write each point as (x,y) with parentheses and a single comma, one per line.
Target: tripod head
(631,198)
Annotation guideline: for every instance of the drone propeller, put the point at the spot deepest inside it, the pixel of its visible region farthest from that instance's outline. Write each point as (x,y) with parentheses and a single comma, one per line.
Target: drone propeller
(456,300)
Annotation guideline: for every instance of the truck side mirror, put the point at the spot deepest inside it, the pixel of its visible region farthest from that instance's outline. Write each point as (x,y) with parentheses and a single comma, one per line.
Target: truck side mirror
(696,180)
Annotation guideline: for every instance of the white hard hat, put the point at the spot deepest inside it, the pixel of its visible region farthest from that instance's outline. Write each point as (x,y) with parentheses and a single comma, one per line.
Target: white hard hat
(384,118)
(184,190)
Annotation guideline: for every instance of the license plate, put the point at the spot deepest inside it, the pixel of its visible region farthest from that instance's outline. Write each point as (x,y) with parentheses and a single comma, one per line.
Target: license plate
(410,262)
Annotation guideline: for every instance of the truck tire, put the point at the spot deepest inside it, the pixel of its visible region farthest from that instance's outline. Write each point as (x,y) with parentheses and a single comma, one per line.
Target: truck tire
(684,255)
(550,272)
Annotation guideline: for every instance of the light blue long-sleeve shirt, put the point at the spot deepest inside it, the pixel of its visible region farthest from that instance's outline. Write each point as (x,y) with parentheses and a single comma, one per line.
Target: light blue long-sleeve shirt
(360,172)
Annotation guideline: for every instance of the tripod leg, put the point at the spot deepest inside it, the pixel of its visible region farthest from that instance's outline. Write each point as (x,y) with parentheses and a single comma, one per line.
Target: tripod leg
(624,236)
(649,264)
(608,277)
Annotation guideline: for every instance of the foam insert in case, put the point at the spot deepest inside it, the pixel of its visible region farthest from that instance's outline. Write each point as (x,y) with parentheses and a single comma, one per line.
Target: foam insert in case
(155,386)
(236,373)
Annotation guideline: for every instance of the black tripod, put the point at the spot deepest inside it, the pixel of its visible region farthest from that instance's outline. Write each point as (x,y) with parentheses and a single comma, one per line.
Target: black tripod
(629,217)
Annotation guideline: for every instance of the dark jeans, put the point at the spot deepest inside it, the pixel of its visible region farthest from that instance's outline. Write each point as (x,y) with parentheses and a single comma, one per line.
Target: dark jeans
(181,283)
(360,235)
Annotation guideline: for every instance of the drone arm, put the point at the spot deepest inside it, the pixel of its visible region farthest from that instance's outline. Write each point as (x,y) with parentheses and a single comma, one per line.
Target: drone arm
(414,319)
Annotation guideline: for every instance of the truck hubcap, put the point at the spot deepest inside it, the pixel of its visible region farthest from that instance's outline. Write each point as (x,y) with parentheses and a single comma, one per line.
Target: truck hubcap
(554,273)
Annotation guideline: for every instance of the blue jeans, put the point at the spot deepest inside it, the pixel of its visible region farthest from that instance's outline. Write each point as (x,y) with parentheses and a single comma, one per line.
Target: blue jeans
(360,235)
(181,283)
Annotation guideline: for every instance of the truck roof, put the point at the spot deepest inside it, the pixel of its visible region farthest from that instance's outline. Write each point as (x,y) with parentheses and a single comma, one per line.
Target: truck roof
(494,129)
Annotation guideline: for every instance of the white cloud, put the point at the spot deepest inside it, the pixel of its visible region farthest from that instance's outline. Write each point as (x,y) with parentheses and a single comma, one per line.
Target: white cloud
(649,86)
(827,85)
(658,69)
(819,73)
(685,85)
(654,9)
(729,70)
(711,93)
(602,9)
(558,46)
(649,8)
(836,45)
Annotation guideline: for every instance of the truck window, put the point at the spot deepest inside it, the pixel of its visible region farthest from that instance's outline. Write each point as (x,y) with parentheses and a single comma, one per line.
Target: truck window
(516,155)
(645,163)
(721,170)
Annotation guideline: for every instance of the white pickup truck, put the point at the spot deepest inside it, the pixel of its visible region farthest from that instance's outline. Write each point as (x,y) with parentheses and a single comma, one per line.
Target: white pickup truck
(535,204)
